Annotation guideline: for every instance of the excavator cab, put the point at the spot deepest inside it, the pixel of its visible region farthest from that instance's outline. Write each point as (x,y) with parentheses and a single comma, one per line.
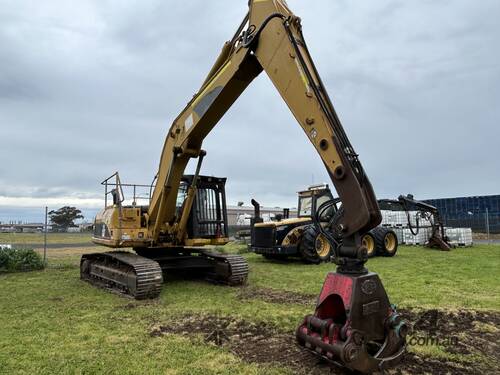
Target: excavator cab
(124,225)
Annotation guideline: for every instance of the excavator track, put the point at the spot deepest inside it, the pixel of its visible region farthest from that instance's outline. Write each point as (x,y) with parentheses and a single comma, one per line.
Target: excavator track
(123,272)
(230,269)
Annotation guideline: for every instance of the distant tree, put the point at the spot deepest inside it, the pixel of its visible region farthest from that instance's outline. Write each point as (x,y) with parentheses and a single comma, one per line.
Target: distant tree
(65,216)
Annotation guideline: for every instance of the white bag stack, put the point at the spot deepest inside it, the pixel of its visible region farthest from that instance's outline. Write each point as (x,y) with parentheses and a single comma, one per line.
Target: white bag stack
(394,218)
(421,238)
(388,218)
(398,222)
(459,236)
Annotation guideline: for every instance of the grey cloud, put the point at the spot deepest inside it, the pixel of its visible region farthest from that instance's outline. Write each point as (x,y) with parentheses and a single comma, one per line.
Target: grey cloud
(92,87)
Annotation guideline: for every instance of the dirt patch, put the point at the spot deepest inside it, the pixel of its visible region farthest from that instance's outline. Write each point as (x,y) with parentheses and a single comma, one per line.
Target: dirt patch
(266,344)
(462,333)
(413,364)
(253,342)
(277,296)
(130,306)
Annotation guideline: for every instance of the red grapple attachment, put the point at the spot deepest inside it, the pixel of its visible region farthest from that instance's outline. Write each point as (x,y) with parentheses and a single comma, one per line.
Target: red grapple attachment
(354,325)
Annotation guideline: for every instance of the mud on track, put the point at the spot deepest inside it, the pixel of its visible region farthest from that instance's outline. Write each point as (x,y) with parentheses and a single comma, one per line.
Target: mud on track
(465,333)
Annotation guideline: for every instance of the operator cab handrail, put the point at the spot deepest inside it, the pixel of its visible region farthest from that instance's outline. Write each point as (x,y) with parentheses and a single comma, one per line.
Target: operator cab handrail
(117,191)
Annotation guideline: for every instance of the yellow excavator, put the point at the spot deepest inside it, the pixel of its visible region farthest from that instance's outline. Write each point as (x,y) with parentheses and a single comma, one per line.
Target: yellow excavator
(354,324)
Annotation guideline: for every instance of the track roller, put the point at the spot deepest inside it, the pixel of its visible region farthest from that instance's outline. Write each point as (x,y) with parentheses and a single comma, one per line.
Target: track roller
(123,272)
(230,269)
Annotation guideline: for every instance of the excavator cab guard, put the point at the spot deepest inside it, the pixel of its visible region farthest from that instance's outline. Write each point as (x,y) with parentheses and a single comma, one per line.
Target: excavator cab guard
(208,217)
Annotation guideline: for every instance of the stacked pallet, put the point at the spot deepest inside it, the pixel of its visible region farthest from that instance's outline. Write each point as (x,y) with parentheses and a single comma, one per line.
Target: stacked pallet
(398,222)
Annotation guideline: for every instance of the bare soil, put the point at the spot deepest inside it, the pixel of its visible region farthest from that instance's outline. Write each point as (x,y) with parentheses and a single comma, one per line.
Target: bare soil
(461,333)
(277,296)
(252,342)
(476,333)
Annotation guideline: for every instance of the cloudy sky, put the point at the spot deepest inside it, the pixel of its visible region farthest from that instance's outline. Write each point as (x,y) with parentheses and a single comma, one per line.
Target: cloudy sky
(91,87)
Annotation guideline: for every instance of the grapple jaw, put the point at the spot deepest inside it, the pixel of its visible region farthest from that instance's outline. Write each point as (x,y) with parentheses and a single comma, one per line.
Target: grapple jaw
(354,325)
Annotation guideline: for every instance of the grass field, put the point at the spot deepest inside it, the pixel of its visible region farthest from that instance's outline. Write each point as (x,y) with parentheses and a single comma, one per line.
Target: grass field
(37,238)
(51,322)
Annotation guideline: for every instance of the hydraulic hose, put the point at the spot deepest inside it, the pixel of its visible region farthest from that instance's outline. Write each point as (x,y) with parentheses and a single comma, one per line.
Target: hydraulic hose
(317,223)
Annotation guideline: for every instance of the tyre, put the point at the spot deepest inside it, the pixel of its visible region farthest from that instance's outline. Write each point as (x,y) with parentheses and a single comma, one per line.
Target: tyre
(369,242)
(314,247)
(386,241)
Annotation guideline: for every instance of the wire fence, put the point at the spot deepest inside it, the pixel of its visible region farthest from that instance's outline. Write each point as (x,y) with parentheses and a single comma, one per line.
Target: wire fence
(481,213)
(488,222)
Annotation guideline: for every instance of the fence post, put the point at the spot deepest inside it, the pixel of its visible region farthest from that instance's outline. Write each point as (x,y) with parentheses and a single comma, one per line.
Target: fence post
(487,224)
(45,237)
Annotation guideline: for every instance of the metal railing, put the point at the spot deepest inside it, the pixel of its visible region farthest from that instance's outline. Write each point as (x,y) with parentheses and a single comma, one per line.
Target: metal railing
(113,186)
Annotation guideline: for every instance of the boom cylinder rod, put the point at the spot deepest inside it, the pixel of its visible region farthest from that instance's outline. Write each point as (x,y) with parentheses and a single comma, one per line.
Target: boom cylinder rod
(194,183)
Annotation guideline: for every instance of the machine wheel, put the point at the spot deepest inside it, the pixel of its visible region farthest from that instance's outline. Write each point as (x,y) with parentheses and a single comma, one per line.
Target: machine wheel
(370,243)
(314,247)
(386,240)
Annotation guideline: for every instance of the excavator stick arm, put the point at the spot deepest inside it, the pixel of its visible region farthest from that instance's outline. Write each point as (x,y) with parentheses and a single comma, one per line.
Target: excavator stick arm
(283,54)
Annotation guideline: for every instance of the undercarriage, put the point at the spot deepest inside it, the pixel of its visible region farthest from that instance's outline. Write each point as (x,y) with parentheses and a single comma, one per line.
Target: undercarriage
(141,275)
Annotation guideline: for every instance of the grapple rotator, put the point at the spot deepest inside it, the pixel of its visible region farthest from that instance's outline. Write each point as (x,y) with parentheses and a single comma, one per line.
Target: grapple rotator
(354,324)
